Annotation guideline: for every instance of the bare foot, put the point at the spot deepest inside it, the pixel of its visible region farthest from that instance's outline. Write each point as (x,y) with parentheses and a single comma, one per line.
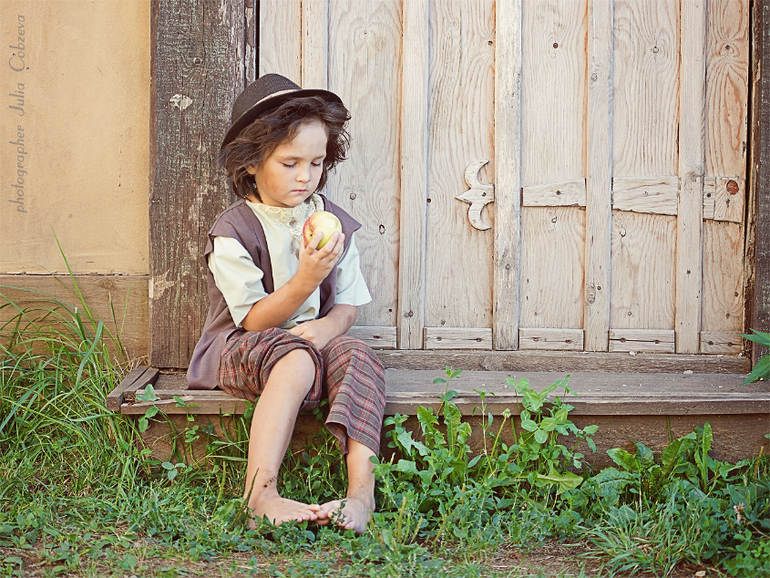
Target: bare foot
(352,513)
(279,510)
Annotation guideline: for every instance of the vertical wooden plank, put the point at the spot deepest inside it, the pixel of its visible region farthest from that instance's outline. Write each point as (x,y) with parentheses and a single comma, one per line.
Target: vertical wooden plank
(251,55)
(727,90)
(364,68)
(280,39)
(723,277)
(553,145)
(642,247)
(644,143)
(414,175)
(197,71)
(459,264)
(689,268)
(760,201)
(315,43)
(727,71)
(553,90)
(552,264)
(646,72)
(507,300)
(598,177)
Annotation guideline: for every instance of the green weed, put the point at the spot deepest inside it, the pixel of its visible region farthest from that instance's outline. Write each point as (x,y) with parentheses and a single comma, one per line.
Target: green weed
(762,368)
(80,495)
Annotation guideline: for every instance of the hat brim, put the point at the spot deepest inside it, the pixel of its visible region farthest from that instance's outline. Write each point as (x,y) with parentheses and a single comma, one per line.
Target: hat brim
(270,102)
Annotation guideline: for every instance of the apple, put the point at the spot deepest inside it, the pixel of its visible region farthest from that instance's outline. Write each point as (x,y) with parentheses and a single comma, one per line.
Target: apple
(323,221)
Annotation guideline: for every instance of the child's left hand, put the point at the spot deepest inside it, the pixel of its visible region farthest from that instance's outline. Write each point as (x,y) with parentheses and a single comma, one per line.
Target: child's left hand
(319,332)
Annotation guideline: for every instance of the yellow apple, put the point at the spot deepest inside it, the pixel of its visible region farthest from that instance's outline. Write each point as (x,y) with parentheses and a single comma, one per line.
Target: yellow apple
(323,221)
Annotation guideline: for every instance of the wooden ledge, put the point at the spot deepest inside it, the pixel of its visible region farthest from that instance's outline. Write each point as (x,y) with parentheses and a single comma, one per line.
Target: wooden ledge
(605,394)
(563,361)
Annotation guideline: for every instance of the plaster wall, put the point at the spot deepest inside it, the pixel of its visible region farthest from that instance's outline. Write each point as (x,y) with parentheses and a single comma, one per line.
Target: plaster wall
(74,134)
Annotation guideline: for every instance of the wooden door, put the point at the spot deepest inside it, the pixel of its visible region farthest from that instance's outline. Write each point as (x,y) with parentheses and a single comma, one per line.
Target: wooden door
(537,174)
(610,135)
(530,174)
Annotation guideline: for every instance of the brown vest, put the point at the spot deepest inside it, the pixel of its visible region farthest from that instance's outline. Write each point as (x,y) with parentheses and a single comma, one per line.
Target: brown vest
(240,223)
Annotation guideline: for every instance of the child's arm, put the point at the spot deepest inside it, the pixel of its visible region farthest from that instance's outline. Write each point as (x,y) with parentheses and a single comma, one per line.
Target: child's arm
(314,265)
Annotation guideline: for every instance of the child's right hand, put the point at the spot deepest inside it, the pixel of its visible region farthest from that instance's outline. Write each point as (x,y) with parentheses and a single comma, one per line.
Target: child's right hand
(316,264)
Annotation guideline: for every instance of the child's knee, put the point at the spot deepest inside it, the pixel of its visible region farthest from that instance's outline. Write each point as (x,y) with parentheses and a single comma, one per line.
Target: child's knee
(301,361)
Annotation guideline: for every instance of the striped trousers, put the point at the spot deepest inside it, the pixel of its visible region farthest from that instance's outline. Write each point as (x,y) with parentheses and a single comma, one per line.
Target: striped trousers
(347,372)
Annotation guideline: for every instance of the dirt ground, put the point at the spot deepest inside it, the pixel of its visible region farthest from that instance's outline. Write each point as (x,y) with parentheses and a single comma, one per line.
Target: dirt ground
(552,560)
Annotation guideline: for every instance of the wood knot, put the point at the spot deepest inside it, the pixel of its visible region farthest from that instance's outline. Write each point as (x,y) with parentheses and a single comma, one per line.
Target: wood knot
(108,284)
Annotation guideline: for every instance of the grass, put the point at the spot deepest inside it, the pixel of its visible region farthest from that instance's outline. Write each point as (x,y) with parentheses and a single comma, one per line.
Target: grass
(80,498)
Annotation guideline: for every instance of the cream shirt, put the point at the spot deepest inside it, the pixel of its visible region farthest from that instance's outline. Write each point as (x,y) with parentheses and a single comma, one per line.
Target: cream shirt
(240,280)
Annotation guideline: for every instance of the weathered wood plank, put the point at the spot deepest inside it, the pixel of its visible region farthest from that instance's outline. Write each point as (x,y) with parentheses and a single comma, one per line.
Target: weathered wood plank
(566,194)
(596,312)
(606,393)
(458,258)
(458,338)
(720,343)
(643,249)
(414,176)
(125,296)
(708,198)
(722,294)
(552,260)
(507,249)
(553,90)
(647,408)
(657,195)
(553,141)
(280,43)
(377,337)
(723,198)
(139,377)
(727,88)
(641,340)
(251,53)
(315,43)
(689,229)
(192,402)
(644,140)
(365,48)
(197,71)
(646,67)
(759,225)
(551,338)
(623,394)
(566,361)
(727,100)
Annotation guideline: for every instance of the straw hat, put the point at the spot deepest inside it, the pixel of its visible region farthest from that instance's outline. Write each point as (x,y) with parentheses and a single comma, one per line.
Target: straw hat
(268,91)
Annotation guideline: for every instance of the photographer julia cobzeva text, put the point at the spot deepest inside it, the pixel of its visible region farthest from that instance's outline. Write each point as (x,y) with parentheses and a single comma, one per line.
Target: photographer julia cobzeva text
(18,65)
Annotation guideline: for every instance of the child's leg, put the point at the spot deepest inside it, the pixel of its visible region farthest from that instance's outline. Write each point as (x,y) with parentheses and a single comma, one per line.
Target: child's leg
(356,385)
(280,369)
(357,507)
(271,428)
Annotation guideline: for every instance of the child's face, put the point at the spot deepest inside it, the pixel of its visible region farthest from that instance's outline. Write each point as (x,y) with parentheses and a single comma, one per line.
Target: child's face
(291,173)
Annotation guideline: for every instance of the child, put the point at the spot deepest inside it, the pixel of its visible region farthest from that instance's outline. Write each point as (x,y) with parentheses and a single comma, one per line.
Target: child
(279,308)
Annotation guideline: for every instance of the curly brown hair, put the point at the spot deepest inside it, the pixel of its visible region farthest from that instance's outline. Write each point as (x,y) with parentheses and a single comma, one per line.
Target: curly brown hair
(255,143)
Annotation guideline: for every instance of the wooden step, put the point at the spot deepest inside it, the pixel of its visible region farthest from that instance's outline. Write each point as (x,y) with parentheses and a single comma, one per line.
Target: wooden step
(627,406)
